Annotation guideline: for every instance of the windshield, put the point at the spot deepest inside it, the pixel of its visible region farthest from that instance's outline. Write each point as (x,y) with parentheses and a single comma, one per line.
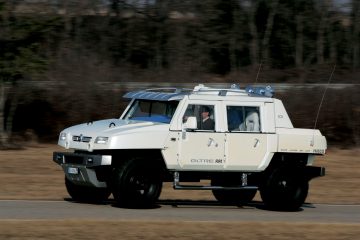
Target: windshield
(153,111)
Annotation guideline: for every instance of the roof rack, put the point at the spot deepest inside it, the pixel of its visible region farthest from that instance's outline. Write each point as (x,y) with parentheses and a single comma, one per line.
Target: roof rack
(252,91)
(260,91)
(169,90)
(162,94)
(168,94)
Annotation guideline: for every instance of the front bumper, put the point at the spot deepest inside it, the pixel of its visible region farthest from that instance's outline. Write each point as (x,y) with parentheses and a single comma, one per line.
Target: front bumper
(81,168)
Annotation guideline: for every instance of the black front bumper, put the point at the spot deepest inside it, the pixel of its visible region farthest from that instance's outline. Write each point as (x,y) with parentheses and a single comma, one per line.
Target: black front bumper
(88,160)
(80,168)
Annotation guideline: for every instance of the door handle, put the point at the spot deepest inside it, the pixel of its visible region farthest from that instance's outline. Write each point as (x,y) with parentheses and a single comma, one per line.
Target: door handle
(256,142)
(212,142)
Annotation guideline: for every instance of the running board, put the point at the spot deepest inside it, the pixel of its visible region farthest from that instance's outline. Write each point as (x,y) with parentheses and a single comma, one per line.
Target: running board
(194,187)
(244,185)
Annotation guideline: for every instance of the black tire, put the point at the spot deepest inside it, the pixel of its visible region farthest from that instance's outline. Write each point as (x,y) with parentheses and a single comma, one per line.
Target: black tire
(86,194)
(284,190)
(136,184)
(232,197)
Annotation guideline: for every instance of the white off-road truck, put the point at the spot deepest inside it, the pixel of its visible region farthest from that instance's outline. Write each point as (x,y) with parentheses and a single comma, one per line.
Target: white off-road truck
(232,141)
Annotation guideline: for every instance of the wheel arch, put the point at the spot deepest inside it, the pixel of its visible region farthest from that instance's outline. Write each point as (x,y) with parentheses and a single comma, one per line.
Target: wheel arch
(295,162)
(152,155)
(288,160)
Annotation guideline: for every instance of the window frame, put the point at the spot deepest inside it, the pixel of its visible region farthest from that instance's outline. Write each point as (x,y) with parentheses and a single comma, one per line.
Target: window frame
(244,105)
(131,108)
(216,111)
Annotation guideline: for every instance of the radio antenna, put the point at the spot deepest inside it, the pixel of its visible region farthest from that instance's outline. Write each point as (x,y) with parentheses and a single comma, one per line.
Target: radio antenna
(257,75)
(321,102)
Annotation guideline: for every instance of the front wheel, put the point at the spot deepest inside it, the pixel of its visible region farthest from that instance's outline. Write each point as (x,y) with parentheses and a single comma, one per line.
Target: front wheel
(86,194)
(136,184)
(284,190)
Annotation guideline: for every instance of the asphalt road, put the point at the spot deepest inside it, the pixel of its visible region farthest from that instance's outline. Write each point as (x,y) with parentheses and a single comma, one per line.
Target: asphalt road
(175,211)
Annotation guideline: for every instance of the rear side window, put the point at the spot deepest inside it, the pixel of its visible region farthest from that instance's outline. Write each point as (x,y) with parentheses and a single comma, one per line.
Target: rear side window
(243,119)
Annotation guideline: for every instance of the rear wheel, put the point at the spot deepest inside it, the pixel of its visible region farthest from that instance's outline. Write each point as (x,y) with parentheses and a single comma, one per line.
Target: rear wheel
(284,190)
(86,194)
(232,197)
(136,184)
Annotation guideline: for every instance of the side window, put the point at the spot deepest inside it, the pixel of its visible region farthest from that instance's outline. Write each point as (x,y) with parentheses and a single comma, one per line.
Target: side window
(204,115)
(244,119)
(235,117)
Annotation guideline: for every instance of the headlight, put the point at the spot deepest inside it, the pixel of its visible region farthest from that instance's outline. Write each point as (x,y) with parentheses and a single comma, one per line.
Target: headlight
(62,136)
(101,140)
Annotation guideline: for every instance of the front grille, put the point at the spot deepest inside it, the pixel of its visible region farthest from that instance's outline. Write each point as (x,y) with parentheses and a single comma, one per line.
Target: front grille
(74,159)
(81,138)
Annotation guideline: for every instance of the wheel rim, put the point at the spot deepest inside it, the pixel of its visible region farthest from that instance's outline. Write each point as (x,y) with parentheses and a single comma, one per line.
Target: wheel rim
(136,184)
(140,184)
(289,188)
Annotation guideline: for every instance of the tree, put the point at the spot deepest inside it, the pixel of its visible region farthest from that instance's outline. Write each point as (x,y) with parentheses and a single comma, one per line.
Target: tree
(260,31)
(356,34)
(24,44)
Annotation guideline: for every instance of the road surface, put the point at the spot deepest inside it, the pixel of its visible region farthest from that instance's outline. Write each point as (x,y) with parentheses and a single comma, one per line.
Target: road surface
(175,211)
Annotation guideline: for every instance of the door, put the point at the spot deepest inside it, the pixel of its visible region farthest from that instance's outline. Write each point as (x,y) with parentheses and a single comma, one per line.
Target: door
(202,147)
(246,145)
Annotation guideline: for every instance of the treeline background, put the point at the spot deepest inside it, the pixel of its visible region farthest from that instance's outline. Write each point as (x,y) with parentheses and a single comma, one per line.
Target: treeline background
(67,62)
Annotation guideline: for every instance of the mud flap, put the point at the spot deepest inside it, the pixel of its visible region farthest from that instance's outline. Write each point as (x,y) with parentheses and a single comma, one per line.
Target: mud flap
(313,172)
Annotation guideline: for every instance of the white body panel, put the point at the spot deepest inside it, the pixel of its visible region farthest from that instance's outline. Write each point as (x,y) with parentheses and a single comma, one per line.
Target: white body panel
(249,151)
(199,150)
(298,140)
(282,119)
(122,134)
(171,151)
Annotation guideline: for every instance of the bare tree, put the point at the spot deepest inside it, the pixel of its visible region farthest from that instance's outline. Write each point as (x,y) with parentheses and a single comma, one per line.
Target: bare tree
(3,133)
(322,8)
(356,33)
(5,12)
(269,29)
(299,44)
(254,43)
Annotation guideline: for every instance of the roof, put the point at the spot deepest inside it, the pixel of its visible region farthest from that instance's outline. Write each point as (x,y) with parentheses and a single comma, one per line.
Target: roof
(168,94)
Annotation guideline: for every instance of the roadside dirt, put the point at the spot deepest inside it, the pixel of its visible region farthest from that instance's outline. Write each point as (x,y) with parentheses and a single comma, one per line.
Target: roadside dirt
(12,230)
(31,174)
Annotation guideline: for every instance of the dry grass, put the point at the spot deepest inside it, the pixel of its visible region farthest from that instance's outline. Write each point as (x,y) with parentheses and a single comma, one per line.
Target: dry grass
(340,185)
(31,174)
(174,230)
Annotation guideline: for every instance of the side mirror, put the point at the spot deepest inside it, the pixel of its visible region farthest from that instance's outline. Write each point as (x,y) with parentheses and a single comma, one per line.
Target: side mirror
(191,123)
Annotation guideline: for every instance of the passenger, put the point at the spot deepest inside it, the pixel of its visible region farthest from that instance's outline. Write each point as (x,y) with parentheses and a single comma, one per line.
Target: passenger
(252,123)
(206,122)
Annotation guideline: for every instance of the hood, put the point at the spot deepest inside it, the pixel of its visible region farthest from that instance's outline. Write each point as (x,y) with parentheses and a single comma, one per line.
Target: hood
(118,132)
(108,127)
